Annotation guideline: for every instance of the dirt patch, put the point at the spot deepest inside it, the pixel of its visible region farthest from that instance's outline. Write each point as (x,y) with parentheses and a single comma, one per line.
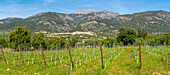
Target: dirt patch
(131,56)
(130,51)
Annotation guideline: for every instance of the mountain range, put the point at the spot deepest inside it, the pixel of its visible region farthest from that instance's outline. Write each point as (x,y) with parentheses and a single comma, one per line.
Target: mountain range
(100,22)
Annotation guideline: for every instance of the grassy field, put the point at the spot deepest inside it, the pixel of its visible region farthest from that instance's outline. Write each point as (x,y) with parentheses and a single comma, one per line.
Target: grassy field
(119,60)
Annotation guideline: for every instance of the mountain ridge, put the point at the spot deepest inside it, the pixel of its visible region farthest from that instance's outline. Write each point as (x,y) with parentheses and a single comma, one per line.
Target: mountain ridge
(98,22)
(9,19)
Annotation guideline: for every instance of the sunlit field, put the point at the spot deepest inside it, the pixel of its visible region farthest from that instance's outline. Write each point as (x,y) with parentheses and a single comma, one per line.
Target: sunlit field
(117,60)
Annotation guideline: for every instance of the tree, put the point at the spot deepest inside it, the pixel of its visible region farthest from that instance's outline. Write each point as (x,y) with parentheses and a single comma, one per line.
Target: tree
(3,42)
(152,39)
(93,41)
(109,41)
(166,38)
(20,36)
(38,39)
(60,42)
(49,41)
(142,33)
(127,36)
(143,42)
(73,40)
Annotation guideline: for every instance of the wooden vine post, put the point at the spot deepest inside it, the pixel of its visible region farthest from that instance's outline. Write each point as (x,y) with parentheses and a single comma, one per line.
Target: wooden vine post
(75,52)
(3,54)
(43,56)
(140,55)
(70,55)
(21,54)
(101,55)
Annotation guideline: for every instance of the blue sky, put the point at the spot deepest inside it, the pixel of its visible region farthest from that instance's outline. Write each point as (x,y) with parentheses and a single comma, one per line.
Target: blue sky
(26,8)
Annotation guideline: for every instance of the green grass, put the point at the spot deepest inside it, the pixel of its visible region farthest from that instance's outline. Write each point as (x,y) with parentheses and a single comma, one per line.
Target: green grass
(87,63)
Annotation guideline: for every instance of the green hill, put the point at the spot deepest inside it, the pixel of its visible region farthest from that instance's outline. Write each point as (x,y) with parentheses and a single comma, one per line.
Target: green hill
(99,22)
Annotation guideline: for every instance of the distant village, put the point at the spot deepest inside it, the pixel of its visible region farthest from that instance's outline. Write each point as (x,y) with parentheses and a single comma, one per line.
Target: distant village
(67,33)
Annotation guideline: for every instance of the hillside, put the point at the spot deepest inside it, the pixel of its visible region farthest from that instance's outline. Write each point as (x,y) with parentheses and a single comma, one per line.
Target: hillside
(49,21)
(9,19)
(100,22)
(152,21)
(157,21)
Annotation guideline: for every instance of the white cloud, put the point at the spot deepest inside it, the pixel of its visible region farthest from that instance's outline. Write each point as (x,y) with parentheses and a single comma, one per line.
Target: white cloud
(49,1)
(15,10)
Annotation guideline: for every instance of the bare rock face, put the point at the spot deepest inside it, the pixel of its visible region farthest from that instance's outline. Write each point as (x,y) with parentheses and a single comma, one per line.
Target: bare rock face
(84,11)
(105,14)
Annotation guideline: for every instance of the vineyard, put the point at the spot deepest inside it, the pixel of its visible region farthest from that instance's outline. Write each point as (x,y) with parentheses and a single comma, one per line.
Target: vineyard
(85,60)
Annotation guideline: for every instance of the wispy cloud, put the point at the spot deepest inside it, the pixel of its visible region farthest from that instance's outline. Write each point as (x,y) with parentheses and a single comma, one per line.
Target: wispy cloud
(14,9)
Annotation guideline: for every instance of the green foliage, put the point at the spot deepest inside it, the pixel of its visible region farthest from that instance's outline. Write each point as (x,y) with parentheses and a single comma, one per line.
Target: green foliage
(38,39)
(142,33)
(3,42)
(93,41)
(20,36)
(143,42)
(166,38)
(109,41)
(73,40)
(127,36)
(153,38)
(60,42)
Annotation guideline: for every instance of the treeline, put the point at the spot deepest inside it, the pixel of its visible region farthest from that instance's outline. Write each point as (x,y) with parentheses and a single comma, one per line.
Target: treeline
(21,36)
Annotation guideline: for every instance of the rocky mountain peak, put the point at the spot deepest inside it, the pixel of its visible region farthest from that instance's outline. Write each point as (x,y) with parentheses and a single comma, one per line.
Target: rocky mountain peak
(105,14)
(84,11)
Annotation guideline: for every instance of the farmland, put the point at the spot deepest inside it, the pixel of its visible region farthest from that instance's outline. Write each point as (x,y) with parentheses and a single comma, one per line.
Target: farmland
(84,37)
(86,60)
